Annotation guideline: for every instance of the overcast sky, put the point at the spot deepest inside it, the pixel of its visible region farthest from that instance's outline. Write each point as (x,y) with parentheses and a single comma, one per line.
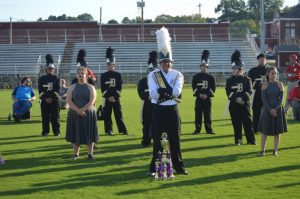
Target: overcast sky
(31,10)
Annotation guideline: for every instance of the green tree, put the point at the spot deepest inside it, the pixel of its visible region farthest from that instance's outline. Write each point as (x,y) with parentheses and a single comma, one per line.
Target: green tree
(241,25)
(112,21)
(52,18)
(126,20)
(232,10)
(85,17)
(270,7)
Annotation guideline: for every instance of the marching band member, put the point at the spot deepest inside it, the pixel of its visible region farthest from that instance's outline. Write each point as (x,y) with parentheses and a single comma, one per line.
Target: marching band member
(48,86)
(165,86)
(111,87)
(143,92)
(82,62)
(238,90)
(204,87)
(258,77)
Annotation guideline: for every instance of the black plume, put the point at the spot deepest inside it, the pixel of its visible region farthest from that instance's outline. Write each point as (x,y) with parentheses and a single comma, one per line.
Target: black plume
(109,53)
(236,56)
(49,59)
(153,57)
(81,57)
(205,56)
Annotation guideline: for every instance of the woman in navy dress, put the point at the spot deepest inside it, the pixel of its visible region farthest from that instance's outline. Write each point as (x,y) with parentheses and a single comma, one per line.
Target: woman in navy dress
(272,120)
(82,119)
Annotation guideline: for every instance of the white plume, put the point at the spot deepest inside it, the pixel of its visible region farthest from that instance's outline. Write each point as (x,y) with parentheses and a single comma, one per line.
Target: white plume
(163,41)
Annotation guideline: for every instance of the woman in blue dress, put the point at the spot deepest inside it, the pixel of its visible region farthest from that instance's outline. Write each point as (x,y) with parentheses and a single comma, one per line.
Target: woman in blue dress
(272,120)
(82,119)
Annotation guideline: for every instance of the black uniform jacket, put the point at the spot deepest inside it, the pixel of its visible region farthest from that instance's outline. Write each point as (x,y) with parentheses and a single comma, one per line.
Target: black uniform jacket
(238,86)
(111,84)
(48,86)
(203,83)
(143,89)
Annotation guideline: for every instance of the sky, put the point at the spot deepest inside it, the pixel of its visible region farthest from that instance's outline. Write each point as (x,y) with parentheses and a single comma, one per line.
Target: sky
(31,10)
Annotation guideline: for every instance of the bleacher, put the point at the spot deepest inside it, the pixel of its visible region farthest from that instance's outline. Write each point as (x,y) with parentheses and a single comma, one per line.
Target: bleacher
(131,57)
(23,58)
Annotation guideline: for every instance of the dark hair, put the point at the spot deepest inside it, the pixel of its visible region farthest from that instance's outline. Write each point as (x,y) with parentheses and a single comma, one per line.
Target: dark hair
(24,79)
(269,70)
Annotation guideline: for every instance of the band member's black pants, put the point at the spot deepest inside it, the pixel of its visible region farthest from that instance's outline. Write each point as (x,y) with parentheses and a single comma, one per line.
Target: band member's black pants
(241,117)
(166,119)
(203,107)
(107,110)
(147,118)
(50,112)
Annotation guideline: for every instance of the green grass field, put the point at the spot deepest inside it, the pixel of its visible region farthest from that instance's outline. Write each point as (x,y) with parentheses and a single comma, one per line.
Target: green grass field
(38,167)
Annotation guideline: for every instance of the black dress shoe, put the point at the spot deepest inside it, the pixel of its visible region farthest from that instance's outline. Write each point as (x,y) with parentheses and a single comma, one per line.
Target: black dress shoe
(252,143)
(195,133)
(91,157)
(44,134)
(125,133)
(183,172)
(109,133)
(211,132)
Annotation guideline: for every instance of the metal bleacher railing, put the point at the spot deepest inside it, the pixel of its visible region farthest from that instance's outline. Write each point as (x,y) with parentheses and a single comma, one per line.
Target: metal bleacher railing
(26,54)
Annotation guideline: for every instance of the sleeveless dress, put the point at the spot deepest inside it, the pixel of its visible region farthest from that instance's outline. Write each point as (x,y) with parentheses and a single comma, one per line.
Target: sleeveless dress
(81,130)
(268,124)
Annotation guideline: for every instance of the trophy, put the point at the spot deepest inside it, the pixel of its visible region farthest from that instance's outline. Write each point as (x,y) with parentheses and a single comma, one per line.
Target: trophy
(163,163)
(2,161)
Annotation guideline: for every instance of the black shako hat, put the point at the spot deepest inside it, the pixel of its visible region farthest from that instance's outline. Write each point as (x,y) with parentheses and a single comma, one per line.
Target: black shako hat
(81,58)
(49,61)
(236,61)
(260,55)
(110,59)
(205,58)
(152,61)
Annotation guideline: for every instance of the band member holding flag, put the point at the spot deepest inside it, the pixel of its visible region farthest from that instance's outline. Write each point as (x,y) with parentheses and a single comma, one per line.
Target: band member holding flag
(165,86)
(238,90)
(48,86)
(258,77)
(143,91)
(111,87)
(204,86)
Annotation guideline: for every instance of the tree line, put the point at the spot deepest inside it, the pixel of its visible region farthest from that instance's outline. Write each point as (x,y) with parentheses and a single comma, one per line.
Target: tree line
(240,13)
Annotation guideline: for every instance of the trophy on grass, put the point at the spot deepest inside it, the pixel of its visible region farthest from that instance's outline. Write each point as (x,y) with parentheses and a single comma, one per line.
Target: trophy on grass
(2,161)
(163,163)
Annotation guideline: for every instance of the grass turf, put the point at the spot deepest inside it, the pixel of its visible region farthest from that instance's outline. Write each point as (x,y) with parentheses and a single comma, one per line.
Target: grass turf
(38,167)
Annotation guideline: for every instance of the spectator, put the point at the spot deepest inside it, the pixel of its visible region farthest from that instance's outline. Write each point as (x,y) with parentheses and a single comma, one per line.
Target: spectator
(295,97)
(63,95)
(23,96)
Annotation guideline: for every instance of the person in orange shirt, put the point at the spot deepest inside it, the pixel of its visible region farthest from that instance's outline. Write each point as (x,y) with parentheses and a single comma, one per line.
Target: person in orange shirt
(295,98)
(293,75)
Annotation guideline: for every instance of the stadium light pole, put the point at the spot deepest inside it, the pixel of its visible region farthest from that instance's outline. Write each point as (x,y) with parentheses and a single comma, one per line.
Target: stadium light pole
(100,26)
(141,4)
(262,27)
(10,32)
(199,8)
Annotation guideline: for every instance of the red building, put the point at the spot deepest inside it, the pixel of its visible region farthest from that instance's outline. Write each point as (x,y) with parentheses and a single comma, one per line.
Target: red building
(283,33)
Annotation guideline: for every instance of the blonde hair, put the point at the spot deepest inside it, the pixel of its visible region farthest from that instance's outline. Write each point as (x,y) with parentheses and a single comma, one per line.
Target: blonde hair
(81,68)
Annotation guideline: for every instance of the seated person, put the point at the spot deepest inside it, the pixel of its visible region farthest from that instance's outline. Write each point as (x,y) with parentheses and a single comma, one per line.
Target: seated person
(295,97)
(22,95)
(63,95)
